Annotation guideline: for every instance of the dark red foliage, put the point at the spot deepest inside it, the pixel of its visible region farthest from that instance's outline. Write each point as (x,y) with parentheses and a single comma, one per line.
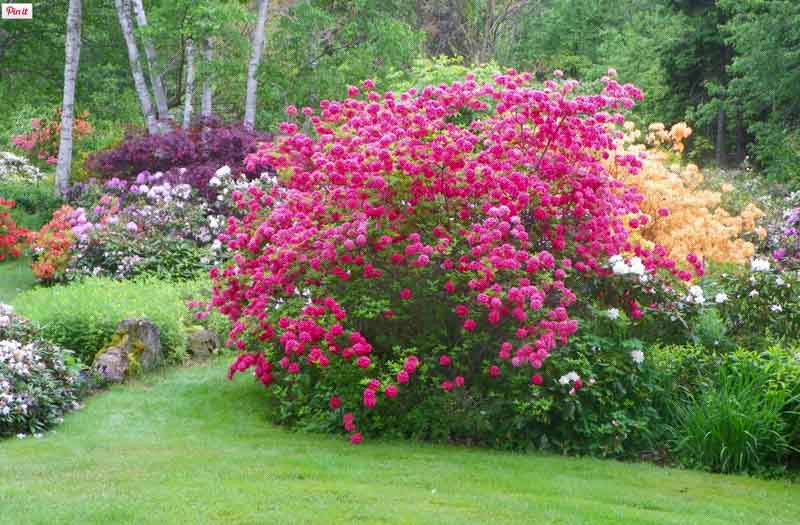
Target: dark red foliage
(183,156)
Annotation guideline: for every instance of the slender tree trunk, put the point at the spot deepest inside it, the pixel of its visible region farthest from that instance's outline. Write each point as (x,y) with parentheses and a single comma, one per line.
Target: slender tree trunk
(189,95)
(740,141)
(156,80)
(720,143)
(73,53)
(206,109)
(252,67)
(124,15)
(487,30)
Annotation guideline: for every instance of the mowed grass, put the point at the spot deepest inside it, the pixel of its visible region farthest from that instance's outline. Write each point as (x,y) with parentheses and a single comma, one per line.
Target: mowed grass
(188,446)
(15,276)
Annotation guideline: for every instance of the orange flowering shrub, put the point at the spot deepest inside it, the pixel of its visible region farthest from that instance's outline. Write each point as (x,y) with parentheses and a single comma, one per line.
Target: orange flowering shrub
(52,246)
(683,217)
(12,237)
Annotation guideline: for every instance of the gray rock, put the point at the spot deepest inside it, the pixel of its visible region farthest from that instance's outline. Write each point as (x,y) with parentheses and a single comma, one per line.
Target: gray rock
(149,335)
(203,343)
(135,346)
(113,363)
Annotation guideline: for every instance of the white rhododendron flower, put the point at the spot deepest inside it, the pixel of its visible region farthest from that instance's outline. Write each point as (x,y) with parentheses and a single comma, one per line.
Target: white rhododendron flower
(759,265)
(636,266)
(776,308)
(695,295)
(637,356)
(720,298)
(570,377)
(753,293)
(613,313)
(620,268)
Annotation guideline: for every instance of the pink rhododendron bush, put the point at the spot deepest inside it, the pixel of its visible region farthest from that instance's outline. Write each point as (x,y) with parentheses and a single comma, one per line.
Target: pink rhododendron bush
(428,249)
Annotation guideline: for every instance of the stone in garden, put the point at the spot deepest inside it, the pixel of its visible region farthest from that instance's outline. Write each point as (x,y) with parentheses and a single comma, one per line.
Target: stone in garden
(135,346)
(203,343)
(150,337)
(112,363)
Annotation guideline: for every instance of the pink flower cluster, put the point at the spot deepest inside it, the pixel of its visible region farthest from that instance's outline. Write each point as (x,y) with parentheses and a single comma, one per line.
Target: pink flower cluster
(499,213)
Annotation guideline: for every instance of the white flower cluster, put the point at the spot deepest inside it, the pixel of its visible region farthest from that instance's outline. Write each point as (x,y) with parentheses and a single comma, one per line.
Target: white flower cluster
(11,402)
(612,313)
(720,298)
(637,356)
(695,295)
(620,267)
(14,168)
(166,192)
(225,179)
(19,359)
(570,377)
(5,314)
(759,265)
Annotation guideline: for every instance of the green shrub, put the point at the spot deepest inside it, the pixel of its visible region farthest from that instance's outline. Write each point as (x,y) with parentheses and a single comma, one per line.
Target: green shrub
(738,423)
(83,316)
(614,414)
(35,202)
(39,382)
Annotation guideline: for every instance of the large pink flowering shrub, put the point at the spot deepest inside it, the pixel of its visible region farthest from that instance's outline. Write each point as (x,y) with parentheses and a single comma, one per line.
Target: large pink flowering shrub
(421,244)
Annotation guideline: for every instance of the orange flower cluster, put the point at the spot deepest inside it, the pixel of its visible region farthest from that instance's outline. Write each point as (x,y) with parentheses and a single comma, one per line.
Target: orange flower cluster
(52,246)
(684,217)
(12,237)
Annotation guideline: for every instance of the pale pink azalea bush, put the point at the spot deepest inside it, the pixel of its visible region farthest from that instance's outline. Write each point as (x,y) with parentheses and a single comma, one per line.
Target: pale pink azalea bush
(422,243)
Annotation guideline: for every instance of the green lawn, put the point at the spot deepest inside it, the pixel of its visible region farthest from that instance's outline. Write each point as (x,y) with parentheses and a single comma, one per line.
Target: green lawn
(188,446)
(15,276)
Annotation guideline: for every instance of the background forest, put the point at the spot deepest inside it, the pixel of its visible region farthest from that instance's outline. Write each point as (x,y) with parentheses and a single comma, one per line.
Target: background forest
(727,67)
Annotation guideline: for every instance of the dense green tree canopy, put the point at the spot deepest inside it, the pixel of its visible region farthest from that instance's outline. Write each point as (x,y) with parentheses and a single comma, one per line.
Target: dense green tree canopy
(729,67)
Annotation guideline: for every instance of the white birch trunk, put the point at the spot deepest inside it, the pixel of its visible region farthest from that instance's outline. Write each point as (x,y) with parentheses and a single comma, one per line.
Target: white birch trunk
(73,53)
(189,93)
(252,67)
(124,15)
(206,109)
(156,80)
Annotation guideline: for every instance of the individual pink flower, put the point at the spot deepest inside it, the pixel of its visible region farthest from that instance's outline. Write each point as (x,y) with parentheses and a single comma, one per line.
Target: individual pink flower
(447,386)
(494,370)
(356,438)
(537,379)
(459,381)
(335,402)
(461,310)
(470,325)
(363,362)
(405,294)
(368,398)
(402,377)
(444,360)
(390,391)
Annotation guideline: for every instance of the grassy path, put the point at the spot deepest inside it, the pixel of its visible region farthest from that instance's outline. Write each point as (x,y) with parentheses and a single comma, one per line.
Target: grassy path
(190,447)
